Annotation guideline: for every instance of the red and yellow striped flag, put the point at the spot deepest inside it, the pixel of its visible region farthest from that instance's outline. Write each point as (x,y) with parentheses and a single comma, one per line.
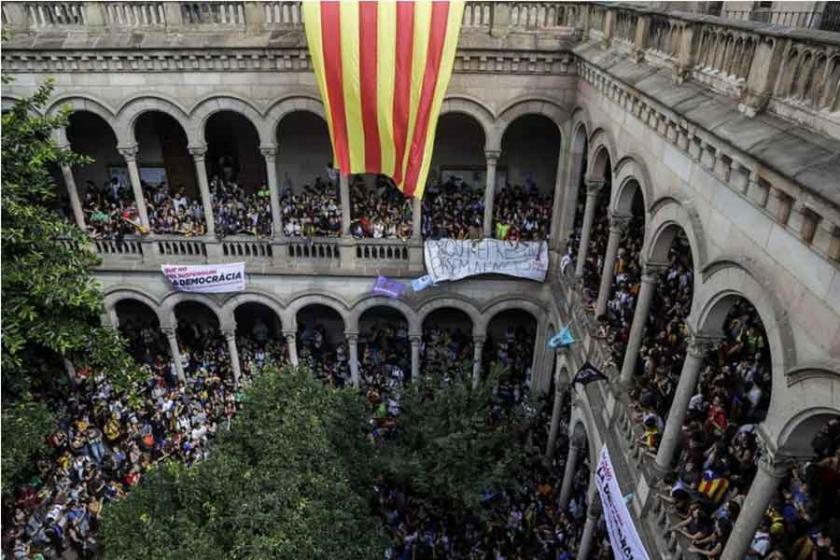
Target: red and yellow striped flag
(383,68)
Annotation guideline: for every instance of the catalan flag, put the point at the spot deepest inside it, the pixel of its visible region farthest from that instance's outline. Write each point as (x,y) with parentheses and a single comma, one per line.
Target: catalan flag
(382,69)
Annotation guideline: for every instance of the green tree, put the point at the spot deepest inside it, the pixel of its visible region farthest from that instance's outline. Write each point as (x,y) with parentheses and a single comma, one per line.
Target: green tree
(51,303)
(279,484)
(453,443)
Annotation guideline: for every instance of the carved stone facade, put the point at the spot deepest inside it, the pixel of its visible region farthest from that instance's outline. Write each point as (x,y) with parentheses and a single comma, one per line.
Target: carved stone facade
(729,130)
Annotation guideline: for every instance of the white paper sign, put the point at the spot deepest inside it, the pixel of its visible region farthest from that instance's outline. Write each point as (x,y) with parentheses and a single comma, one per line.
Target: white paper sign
(206,279)
(453,259)
(624,538)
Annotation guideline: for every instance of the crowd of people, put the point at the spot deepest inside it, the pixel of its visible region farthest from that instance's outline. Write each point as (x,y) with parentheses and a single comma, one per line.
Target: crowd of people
(521,213)
(379,212)
(314,212)
(236,212)
(110,211)
(105,441)
(454,209)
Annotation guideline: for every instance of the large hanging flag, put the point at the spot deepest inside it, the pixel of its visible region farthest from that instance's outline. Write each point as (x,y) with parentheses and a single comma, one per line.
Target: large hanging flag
(382,69)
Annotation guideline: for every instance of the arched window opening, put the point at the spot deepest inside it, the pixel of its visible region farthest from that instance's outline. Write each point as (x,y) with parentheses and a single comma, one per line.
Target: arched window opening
(447,344)
(321,344)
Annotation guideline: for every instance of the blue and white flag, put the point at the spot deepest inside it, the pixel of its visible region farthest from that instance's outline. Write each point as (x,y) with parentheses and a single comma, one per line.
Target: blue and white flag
(419,284)
(562,339)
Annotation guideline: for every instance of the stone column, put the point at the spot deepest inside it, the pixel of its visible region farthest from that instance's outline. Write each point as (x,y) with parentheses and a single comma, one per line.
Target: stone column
(344,194)
(492,157)
(560,386)
(478,348)
(569,472)
(618,225)
(593,514)
(291,342)
(353,346)
(130,156)
(771,472)
(593,188)
(174,351)
(555,233)
(198,154)
(415,356)
(73,193)
(230,337)
(270,155)
(650,276)
(698,347)
(417,218)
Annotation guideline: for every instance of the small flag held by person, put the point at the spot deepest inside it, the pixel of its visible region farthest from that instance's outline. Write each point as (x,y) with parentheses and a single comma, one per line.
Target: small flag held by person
(562,339)
(387,287)
(587,374)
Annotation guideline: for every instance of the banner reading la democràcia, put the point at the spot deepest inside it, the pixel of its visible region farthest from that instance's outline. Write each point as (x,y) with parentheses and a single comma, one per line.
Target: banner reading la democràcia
(206,279)
(624,538)
(454,259)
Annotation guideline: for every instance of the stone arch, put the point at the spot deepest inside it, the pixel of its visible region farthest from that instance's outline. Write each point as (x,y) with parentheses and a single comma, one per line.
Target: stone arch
(631,174)
(209,106)
(135,107)
(117,294)
(723,281)
(8,101)
(669,213)
(91,105)
(371,301)
(284,106)
(601,151)
(794,418)
(540,106)
(507,303)
(450,300)
(582,423)
(473,108)
(170,301)
(229,307)
(299,302)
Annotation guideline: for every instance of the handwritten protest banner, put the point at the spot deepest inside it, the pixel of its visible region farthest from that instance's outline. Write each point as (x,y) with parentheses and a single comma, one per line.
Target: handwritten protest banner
(206,279)
(453,259)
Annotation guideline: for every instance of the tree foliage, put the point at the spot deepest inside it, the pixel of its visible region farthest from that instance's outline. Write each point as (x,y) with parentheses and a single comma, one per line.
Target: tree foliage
(51,300)
(278,484)
(454,442)
(51,303)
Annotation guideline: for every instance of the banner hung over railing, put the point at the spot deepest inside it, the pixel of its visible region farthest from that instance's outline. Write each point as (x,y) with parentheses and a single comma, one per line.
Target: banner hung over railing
(206,278)
(624,538)
(454,259)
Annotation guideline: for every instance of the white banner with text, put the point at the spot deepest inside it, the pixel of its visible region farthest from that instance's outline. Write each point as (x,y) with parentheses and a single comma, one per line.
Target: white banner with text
(454,259)
(624,538)
(206,278)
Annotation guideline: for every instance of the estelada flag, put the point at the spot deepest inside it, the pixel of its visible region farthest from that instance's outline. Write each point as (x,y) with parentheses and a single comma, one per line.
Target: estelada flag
(382,69)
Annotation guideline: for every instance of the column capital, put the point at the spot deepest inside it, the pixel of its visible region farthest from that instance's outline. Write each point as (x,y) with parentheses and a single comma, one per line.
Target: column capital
(289,334)
(229,333)
(351,336)
(168,331)
(415,338)
(619,223)
(492,155)
(269,152)
(772,463)
(479,339)
(700,345)
(593,186)
(197,152)
(129,153)
(652,270)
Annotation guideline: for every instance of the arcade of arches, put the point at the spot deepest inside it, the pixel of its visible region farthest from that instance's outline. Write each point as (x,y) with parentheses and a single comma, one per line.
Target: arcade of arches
(695,269)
